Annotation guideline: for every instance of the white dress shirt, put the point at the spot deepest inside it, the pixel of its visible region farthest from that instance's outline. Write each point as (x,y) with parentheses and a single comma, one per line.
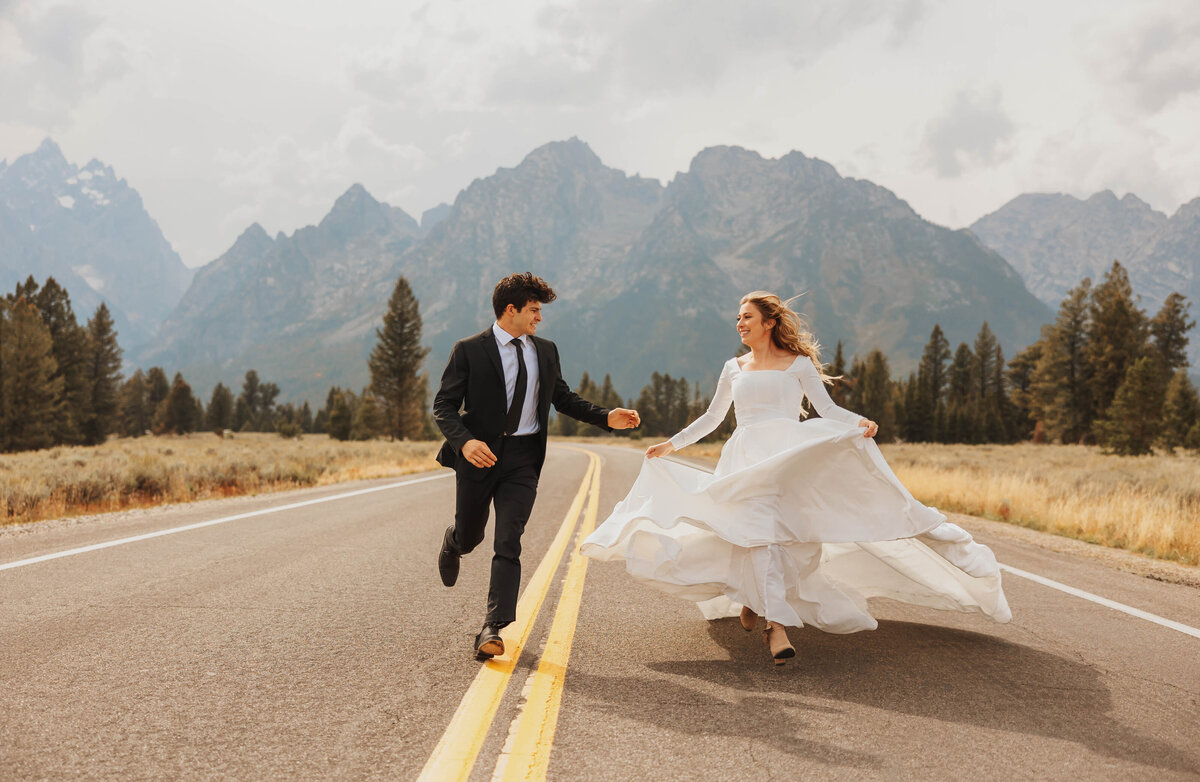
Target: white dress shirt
(508,360)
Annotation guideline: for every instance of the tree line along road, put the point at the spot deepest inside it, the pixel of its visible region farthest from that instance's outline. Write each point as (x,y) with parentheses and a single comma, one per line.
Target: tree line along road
(307,635)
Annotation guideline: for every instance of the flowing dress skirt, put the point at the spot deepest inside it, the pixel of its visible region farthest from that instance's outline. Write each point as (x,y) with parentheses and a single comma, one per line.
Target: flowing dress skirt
(802,521)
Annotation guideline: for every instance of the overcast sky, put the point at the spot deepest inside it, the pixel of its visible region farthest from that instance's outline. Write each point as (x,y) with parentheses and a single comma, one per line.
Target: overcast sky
(224,113)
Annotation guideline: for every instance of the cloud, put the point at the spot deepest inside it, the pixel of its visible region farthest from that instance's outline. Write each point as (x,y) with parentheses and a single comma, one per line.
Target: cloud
(974,131)
(287,182)
(52,57)
(1153,64)
(1088,159)
(575,55)
(906,18)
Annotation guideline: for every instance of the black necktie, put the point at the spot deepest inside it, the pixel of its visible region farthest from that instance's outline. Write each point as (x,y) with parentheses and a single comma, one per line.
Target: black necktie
(518,401)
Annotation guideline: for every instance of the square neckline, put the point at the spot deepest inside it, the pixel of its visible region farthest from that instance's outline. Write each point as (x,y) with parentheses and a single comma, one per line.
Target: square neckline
(741,369)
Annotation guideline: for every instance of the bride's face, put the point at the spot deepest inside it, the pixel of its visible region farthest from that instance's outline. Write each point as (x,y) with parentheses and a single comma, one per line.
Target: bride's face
(750,324)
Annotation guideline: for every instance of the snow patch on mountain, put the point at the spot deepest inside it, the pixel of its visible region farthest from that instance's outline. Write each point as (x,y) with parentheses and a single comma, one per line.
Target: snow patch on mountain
(90,276)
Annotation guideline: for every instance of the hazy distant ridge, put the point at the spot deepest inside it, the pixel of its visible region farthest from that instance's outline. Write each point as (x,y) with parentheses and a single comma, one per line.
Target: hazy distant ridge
(90,231)
(649,276)
(1056,240)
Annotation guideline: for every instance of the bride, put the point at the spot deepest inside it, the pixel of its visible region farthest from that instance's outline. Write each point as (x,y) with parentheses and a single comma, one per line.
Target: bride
(802,521)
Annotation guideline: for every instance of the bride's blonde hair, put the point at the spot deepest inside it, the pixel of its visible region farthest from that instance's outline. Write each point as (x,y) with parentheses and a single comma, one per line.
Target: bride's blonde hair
(790,332)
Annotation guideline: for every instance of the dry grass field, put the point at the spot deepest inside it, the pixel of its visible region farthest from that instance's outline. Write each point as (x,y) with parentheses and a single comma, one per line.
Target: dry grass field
(1148,504)
(144,471)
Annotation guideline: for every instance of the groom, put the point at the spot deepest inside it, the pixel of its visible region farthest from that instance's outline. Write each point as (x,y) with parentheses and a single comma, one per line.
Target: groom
(504,381)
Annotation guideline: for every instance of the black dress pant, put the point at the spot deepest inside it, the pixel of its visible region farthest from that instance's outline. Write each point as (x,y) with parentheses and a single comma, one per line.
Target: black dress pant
(511,486)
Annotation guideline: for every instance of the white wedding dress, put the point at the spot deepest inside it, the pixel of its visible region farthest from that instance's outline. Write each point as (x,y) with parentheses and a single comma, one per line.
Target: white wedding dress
(802,520)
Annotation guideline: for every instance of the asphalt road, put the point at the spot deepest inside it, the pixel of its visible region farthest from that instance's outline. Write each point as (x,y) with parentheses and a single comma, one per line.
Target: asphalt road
(317,642)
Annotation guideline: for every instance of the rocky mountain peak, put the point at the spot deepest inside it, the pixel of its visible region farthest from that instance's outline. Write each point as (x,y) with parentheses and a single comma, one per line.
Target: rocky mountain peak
(353,200)
(253,240)
(720,159)
(431,217)
(571,153)
(49,149)
(90,231)
(355,212)
(45,167)
(1188,211)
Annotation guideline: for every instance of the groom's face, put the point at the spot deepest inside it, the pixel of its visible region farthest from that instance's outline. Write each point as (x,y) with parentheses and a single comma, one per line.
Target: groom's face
(526,319)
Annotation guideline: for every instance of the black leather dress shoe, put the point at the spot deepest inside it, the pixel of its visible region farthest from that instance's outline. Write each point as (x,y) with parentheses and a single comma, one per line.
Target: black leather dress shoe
(488,643)
(448,558)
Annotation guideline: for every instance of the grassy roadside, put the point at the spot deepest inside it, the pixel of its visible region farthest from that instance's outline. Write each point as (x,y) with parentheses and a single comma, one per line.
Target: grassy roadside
(1149,504)
(1146,504)
(147,471)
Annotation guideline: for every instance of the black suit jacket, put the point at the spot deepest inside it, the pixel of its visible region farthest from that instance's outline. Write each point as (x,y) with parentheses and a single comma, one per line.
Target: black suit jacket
(472,404)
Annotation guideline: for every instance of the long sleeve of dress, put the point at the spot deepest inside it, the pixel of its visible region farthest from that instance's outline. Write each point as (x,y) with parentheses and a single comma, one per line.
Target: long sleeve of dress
(712,418)
(814,389)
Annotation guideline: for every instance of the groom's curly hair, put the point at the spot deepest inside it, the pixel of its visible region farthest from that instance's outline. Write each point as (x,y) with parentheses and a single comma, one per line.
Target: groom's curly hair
(520,289)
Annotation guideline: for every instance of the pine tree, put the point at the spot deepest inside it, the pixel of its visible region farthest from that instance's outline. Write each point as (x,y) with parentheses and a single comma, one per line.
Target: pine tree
(220,409)
(339,415)
(647,405)
(395,365)
(928,411)
(27,290)
(1116,336)
(254,410)
(264,420)
(904,409)
(157,389)
(321,420)
(1060,385)
(1181,412)
(246,409)
(1132,421)
(854,377)
(985,423)
(306,417)
(179,408)
(1019,375)
(1000,430)
(839,391)
(588,390)
(72,354)
(1169,333)
(608,396)
(960,384)
(136,413)
(30,387)
(368,420)
(877,395)
(103,376)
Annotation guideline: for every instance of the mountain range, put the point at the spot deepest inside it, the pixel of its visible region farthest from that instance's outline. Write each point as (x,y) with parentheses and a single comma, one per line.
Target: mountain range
(90,231)
(648,276)
(1055,240)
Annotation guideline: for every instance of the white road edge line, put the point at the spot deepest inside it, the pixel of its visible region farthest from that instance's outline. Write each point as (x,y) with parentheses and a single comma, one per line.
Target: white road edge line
(1104,601)
(198,525)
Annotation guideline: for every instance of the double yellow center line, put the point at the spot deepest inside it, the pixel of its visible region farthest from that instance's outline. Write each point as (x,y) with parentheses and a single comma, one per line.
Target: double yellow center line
(527,753)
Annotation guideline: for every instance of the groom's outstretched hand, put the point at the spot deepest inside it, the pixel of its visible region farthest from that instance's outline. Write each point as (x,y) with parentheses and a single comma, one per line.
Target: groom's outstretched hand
(620,418)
